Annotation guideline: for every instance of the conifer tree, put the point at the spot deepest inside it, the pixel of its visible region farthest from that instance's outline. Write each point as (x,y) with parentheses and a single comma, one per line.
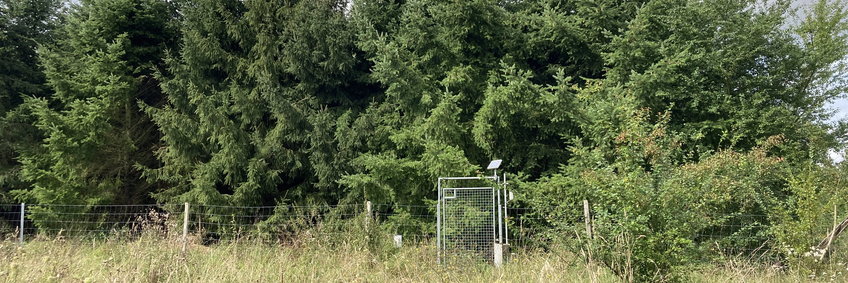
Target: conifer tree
(469,81)
(100,67)
(252,102)
(23,26)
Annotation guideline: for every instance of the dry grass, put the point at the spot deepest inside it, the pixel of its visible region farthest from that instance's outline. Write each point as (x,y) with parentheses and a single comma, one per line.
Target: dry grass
(157,260)
(161,260)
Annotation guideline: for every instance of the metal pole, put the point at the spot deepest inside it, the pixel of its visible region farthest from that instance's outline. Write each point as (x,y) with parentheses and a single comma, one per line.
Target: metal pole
(23,209)
(498,192)
(506,200)
(469,178)
(500,223)
(439,221)
(494,232)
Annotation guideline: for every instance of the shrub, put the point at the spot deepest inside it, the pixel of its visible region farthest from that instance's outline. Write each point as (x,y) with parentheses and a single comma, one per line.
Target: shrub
(656,208)
(815,203)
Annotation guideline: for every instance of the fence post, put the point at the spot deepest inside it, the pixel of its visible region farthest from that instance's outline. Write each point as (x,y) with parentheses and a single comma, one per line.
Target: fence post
(23,209)
(439,221)
(368,208)
(185,226)
(368,214)
(587,218)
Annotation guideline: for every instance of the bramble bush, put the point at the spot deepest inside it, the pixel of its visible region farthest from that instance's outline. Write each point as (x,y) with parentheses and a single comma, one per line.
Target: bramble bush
(656,214)
(655,208)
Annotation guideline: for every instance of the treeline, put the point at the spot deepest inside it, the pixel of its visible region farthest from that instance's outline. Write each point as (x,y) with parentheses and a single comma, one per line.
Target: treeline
(661,112)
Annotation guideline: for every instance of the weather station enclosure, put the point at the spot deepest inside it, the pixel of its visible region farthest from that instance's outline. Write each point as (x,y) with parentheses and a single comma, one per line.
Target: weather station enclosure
(471,218)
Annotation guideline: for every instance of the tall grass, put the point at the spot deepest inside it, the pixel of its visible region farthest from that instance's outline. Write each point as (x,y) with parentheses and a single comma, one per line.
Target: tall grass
(162,260)
(153,259)
(350,251)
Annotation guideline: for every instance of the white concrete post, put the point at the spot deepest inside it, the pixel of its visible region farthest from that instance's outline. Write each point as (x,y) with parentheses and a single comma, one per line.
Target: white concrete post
(398,241)
(499,251)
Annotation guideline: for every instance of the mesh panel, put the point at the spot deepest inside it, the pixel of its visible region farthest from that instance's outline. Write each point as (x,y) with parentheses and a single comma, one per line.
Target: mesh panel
(468,227)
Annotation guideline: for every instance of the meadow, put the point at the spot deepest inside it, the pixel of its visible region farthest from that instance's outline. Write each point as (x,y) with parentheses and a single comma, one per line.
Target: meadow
(315,259)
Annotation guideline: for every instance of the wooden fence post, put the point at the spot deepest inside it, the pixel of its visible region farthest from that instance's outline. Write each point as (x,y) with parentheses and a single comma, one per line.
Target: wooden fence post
(368,208)
(368,213)
(185,226)
(587,219)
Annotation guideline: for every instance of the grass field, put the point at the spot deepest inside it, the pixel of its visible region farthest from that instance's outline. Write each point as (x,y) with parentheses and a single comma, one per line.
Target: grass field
(161,260)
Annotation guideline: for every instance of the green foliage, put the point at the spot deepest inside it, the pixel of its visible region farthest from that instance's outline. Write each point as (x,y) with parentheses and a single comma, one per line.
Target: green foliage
(662,209)
(731,75)
(94,133)
(432,61)
(524,122)
(713,173)
(815,205)
(24,25)
(252,103)
(675,118)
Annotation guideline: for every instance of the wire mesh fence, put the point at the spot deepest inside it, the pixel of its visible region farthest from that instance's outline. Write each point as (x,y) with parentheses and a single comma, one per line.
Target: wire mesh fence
(726,234)
(529,227)
(211,223)
(59,220)
(415,223)
(10,215)
(737,234)
(269,223)
(468,222)
(731,234)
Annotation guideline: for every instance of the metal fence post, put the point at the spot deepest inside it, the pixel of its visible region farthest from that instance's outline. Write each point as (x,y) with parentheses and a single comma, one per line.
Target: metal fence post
(185,226)
(499,240)
(23,209)
(439,222)
(506,216)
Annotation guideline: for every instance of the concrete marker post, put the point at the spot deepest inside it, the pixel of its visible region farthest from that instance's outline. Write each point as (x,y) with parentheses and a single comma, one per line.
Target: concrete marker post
(398,241)
(499,251)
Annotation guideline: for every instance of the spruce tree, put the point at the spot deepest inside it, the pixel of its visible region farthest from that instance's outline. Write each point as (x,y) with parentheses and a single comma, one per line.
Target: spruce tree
(24,25)
(95,135)
(253,101)
(466,82)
